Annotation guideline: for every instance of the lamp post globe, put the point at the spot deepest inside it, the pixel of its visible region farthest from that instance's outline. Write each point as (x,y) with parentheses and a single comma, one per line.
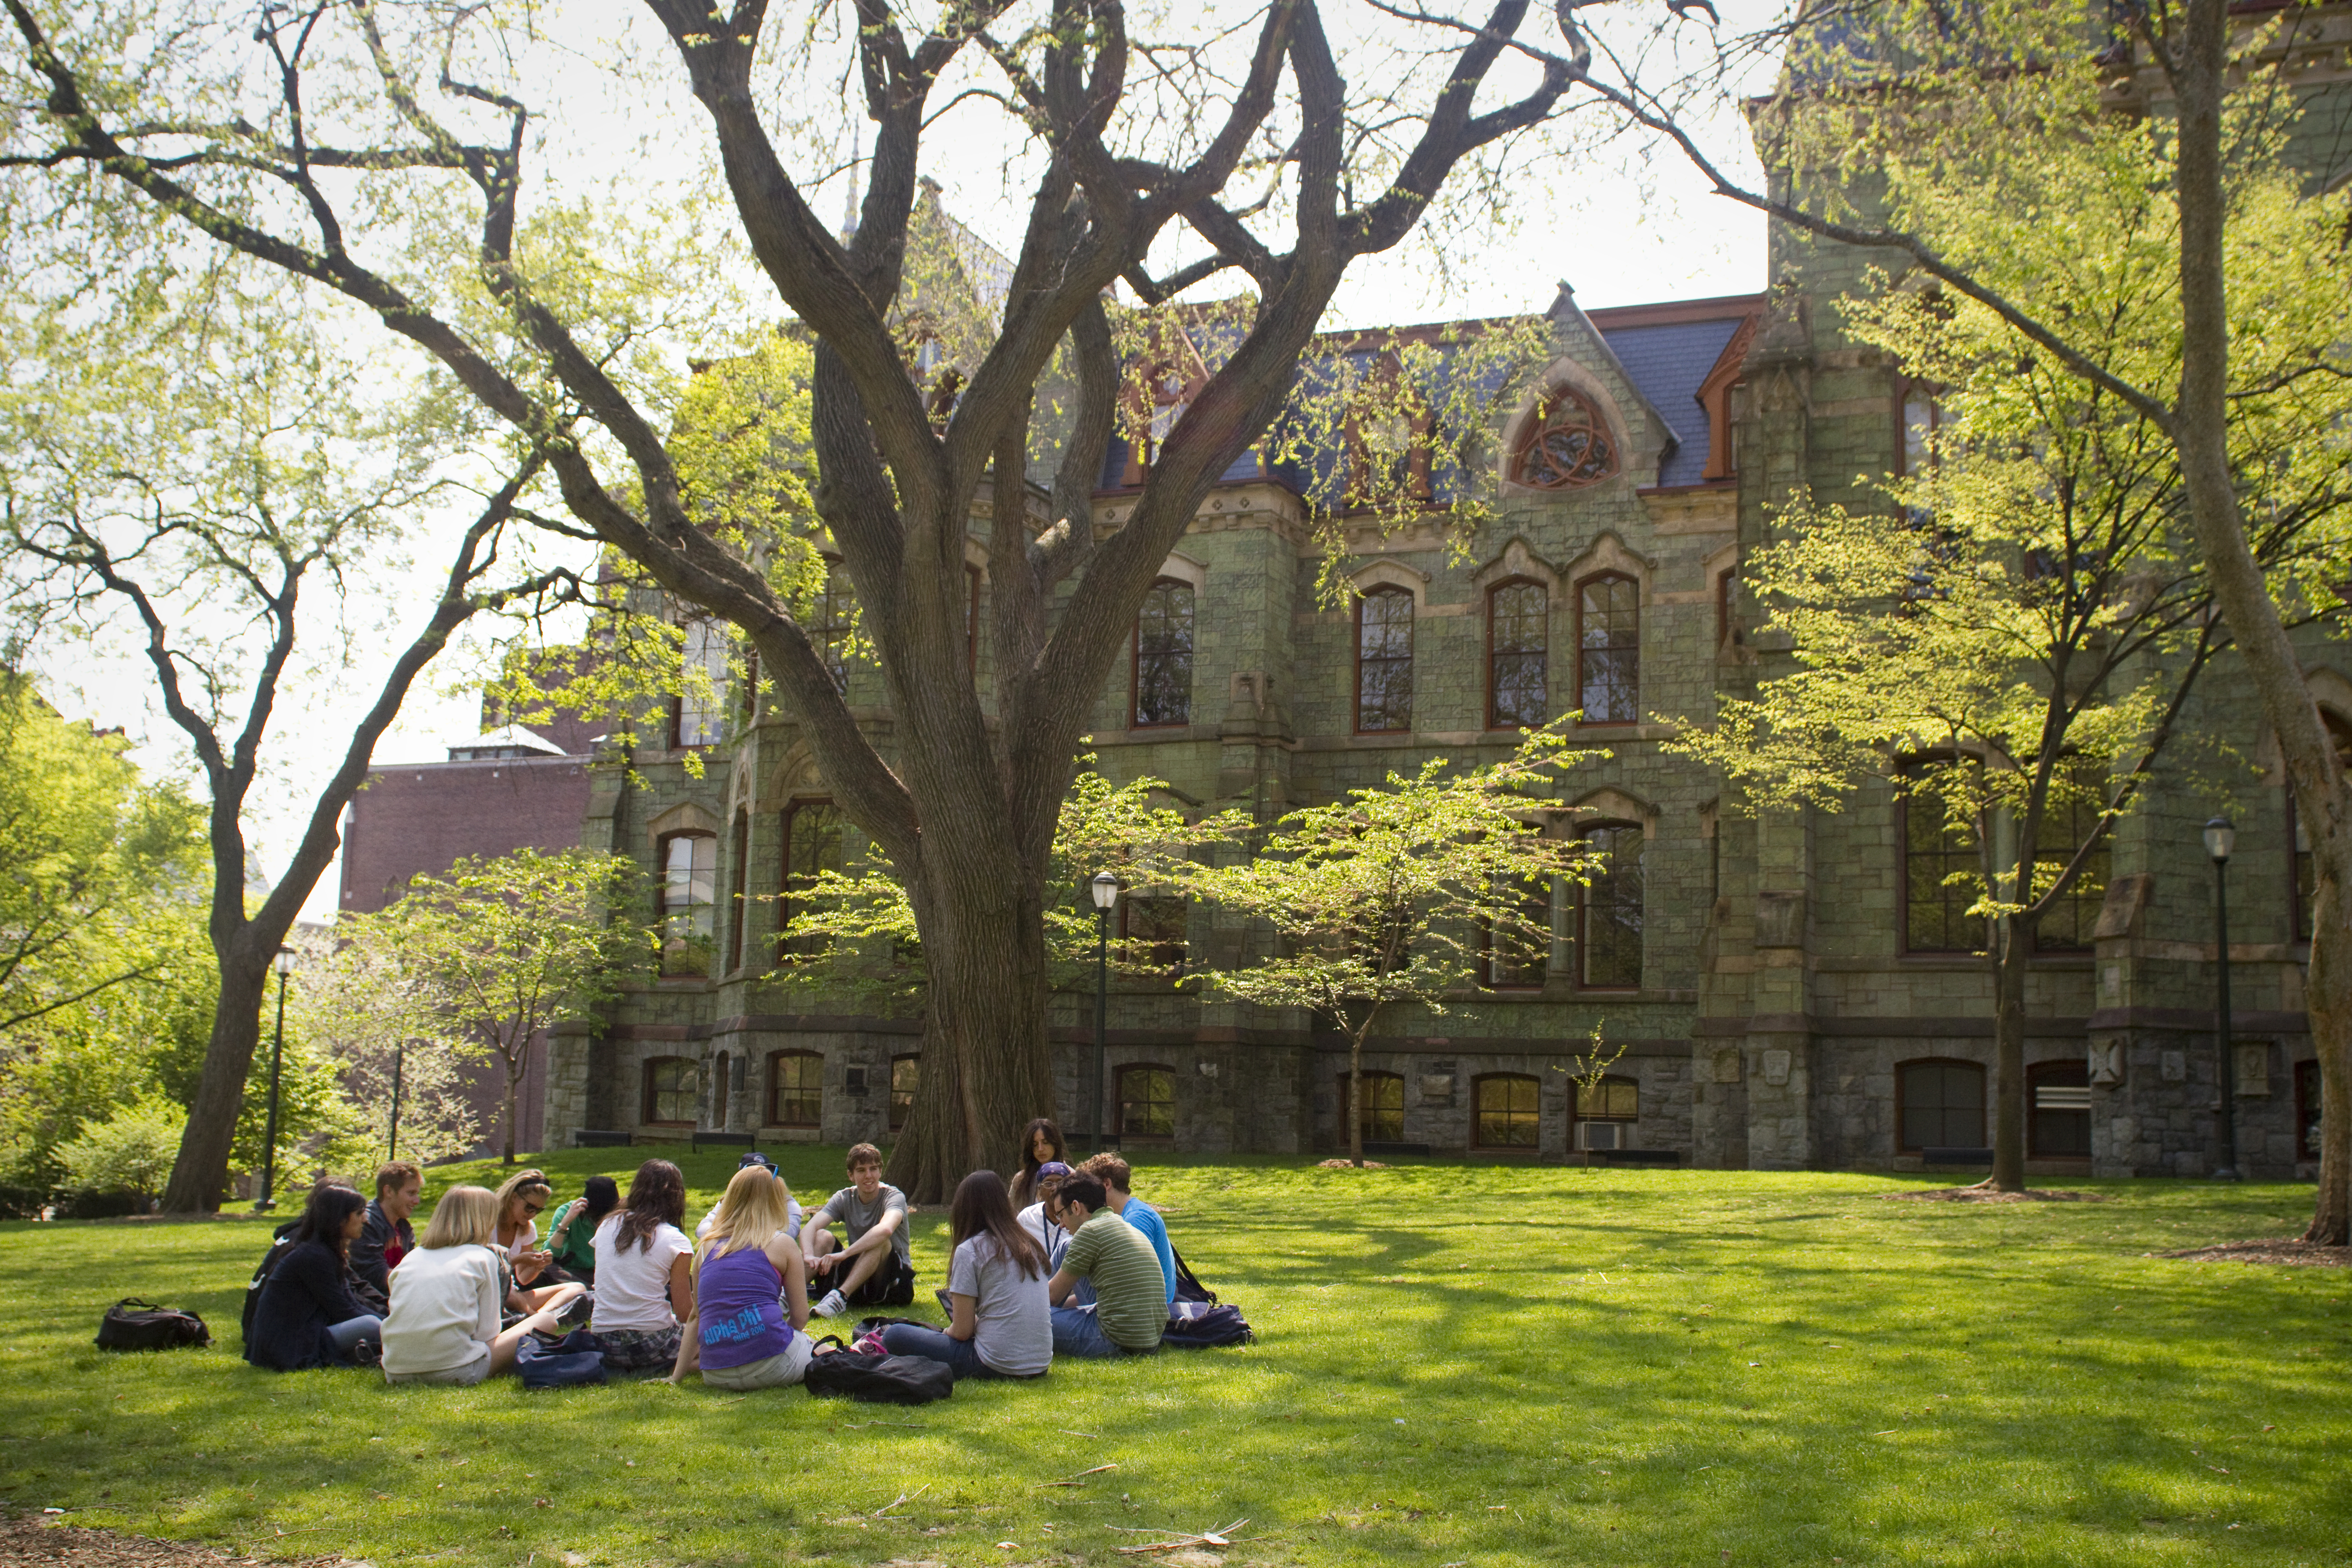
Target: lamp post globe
(1104,889)
(2220,837)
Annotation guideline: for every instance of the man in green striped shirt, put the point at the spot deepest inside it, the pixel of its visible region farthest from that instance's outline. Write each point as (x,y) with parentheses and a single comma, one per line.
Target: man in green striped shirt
(1130,1306)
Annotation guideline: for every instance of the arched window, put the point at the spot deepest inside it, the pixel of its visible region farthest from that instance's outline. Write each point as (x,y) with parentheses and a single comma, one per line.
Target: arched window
(698,715)
(688,889)
(2058,1110)
(1505,1116)
(811,845)
(1384,1107)
(1939,1104)
(795,1088)
(1566,448)
(1146,1101)
(905,1073)
(1515,941)
(1940,870)
(1384,661)
(1609,909)
(1162,687)
(832,621)
(673,1086)
(1609,649)
(737,889)
(1519,643)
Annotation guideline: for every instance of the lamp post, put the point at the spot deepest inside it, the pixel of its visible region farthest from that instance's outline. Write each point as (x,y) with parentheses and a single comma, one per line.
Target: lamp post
(1104,889)
(284,964)
(399,1061)
(2220,837)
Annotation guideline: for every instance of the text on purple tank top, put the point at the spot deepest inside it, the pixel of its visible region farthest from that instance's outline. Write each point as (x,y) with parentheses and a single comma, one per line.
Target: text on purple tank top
(743,1320)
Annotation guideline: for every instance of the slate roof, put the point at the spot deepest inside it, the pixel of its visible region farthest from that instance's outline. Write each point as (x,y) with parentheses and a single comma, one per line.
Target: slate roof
(1666,365)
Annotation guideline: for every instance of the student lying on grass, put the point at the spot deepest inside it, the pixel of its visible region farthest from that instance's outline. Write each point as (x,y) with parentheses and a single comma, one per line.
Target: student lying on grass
(1128,1313)
(1001,1324)
(743,1336)
(309,1314)
(444,1324)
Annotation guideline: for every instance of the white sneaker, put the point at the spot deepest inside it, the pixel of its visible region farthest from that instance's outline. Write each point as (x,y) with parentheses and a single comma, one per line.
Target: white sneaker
(833,1306)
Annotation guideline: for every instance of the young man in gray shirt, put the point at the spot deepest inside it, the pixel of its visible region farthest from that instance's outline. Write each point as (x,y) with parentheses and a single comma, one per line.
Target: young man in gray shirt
(871,1268)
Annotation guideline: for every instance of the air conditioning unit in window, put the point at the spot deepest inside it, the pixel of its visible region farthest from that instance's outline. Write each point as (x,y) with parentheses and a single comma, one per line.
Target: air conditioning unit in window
(1592,1135)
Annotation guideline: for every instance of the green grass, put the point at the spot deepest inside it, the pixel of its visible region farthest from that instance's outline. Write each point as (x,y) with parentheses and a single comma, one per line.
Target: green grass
(1456,1366)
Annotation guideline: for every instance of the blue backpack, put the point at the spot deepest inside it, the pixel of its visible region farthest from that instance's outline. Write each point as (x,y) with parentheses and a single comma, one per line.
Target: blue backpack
(571,1362)
(1194,1326)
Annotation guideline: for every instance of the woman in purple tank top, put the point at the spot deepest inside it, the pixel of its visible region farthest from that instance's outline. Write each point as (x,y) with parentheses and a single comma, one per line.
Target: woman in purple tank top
(751,1292)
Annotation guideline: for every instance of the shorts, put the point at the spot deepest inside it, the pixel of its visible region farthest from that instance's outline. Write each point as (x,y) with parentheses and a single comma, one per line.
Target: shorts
(465,1374)
(892,1284)
(782,1370)
(639,1349)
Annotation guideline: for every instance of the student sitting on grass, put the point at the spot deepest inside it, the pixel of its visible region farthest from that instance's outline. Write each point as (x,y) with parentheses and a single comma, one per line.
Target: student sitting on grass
(1041,1143)
(1040,1219)
(521,1199)
(309,1314)
(1001,1324)
(444,1324)
(386,1237)
(1130,1312)
(791,1204)
(644,1273)
(871,1266)
(1114,1174)
(743,1336)
(571,1229)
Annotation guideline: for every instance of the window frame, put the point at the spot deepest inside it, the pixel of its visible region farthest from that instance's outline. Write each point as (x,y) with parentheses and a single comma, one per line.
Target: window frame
(1152,962)
(784,872)
(1371,1076)
(2097,874)
(831,638)
(739,892)
(1576,1111)
(1530,438)
(891,1117)
(775,1107)
(1585,720)
(1389,592)
(1487,946)
(2036,1075)
(1120,1099)
(647,1101)
(1584,911)
(1542,655)
(1902,1107)
(1904,804)
(1135,719)
(663,911)
(715,719)
(1533,1114)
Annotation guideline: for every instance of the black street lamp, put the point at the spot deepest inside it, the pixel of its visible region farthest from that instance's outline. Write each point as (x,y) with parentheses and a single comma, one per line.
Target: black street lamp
(399,1061)
(1104,889)
(2220,837)
(284,964)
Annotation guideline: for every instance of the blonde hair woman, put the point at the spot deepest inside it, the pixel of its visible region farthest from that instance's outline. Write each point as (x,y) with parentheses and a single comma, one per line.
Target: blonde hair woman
(742,1335)
(521,1199)
(443,1326)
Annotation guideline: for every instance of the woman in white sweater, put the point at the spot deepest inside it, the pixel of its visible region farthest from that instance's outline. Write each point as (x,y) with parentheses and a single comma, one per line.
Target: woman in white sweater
(443,1326)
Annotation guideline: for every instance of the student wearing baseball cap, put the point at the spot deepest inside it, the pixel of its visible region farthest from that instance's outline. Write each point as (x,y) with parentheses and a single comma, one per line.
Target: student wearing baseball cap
(791,1204)
(1040,1219)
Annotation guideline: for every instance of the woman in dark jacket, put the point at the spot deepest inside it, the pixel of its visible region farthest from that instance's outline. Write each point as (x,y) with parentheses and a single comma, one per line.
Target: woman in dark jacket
(308,1314)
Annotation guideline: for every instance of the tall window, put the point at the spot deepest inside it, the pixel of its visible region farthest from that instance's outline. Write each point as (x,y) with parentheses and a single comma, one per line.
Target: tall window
(1384,661)
(2067,925)
(795,1088)
(689,881)
(1940,1105)
(698,714)
(1922,419)
(833,623)
(1505,1116)
(1612,1099)
(719,1087)
(1566,448)
(2058,1110)
(1941,872)
(1147,1102)
(1609,910)
(1517,937)
(1383,1108)
(1163,657)
(811,845)
(1609,649)
(672,1086)
(738,890)
(1152,927)
(1518,616)
(905,1073)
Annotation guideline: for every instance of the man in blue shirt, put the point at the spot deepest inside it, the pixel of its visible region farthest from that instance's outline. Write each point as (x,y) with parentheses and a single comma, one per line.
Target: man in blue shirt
(1114,1175)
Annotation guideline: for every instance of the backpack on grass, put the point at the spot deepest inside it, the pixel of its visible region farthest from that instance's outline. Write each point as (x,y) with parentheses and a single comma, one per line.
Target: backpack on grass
(1189,1288)
(131,1324)
(1195,1326)
(876,1379)
(573,1362)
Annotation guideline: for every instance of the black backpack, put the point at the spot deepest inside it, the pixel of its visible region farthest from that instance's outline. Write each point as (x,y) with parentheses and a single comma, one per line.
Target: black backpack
(131,1324)
(281,1242)
(1189,1288)
(1206,1328)
(574,1361)
(877,1379)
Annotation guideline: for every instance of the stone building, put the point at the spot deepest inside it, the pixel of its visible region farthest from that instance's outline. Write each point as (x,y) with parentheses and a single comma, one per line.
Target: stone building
(1789,989)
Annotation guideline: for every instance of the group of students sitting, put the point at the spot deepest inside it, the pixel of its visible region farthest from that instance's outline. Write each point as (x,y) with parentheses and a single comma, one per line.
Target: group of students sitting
(1084,1270)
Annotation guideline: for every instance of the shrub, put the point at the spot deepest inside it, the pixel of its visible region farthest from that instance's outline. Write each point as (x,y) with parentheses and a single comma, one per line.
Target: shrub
(131,1152)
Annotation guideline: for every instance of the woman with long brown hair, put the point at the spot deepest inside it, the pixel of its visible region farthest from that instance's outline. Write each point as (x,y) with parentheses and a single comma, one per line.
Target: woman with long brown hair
(644,1272)
(1041,1143)
(1002,1325)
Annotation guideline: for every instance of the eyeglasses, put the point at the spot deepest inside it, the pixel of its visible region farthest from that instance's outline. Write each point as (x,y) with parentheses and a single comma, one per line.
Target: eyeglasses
(531,1208)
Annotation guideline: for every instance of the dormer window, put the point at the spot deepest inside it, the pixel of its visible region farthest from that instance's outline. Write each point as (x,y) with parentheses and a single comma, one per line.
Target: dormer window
(1566,448)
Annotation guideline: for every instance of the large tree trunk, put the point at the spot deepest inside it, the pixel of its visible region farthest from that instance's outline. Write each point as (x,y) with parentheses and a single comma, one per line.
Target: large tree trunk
(2201,434)
(201,1172)
(2009,970)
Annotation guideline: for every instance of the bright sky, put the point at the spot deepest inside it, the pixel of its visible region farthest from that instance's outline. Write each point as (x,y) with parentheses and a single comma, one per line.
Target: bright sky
(1618,230)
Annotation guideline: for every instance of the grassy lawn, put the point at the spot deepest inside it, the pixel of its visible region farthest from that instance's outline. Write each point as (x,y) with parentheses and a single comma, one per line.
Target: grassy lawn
(1480,1365)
